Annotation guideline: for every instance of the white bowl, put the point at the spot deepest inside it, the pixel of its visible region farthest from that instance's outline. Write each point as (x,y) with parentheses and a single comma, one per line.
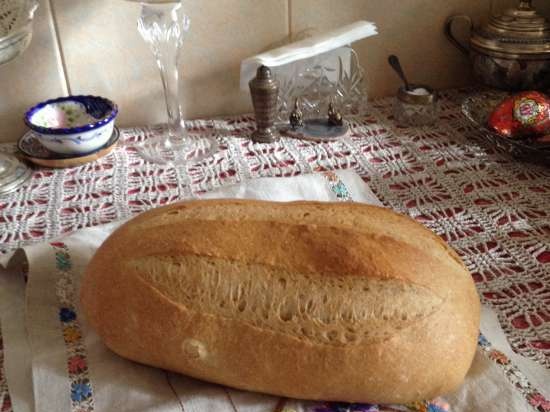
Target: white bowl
(74,124)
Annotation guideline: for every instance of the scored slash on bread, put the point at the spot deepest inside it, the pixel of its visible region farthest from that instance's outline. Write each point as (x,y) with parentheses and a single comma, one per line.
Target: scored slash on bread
(294,304)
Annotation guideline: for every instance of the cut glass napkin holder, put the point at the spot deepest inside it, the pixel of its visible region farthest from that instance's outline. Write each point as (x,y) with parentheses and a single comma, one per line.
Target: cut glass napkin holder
(317,70)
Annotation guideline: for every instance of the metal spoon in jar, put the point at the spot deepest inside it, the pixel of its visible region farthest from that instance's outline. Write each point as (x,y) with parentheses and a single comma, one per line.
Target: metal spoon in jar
(394,63)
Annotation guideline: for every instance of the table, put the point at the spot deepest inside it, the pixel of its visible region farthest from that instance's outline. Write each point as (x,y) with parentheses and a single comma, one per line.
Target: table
(489,207)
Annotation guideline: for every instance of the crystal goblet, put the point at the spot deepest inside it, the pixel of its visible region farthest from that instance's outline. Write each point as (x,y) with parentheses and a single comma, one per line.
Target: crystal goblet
(163,25)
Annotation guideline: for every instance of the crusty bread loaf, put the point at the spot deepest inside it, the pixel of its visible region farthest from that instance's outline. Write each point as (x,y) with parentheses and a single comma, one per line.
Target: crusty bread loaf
(307,300)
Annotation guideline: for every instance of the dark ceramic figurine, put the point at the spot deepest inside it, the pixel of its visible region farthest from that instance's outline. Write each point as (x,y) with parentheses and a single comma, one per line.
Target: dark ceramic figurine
(296,116)
(334,117)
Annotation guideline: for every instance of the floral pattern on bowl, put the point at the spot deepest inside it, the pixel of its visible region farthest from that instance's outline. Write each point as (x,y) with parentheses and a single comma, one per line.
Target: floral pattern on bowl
(67,114)
(73,125)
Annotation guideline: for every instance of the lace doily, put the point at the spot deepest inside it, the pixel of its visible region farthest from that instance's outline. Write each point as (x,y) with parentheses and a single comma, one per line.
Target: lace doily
(492,209)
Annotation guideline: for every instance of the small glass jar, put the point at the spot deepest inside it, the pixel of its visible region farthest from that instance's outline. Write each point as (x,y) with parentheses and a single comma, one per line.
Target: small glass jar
(417,106)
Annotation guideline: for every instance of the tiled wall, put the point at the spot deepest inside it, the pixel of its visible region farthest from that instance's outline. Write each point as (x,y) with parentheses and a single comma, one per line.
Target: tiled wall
(83,46)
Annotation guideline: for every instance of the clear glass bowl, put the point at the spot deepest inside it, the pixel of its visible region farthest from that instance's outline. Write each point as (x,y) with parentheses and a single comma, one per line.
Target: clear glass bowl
(13,45)
(478,107)
(15,36)
(15,27)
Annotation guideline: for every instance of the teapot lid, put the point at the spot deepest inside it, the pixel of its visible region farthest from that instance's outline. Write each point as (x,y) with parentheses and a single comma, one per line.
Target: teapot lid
(519,32)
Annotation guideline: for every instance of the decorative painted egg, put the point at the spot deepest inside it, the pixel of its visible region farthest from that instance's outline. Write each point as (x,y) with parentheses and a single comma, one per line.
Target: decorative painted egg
(522,115)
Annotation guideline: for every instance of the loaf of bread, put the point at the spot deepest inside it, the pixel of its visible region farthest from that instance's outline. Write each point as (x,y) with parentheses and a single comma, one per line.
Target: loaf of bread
(308,300)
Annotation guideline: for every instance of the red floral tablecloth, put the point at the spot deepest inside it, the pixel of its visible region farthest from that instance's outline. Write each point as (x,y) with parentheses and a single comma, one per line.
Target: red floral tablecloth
(492,209)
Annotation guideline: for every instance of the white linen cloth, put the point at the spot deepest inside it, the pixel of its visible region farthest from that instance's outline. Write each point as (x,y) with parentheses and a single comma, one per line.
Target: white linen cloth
(68,359)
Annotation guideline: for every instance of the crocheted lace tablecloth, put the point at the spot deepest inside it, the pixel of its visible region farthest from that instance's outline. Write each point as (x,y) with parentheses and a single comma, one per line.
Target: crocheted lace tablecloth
(491,208)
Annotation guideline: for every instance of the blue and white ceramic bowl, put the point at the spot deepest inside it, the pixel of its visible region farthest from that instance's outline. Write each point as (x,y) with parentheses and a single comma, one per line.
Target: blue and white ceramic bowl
(74,124)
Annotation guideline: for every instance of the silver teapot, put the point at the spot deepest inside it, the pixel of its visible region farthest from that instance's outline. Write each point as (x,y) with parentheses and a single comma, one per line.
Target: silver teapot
(511,52)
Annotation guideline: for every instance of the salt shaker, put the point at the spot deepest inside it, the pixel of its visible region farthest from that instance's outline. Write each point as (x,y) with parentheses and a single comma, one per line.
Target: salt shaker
(265,91)
(417,106)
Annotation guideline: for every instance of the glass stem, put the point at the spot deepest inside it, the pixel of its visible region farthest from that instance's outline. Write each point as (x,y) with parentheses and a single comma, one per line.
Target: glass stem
(167,61)
(163,27)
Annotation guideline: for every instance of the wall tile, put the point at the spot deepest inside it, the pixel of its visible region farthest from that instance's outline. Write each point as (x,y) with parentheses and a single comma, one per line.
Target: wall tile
(105,54)
(412,29)
(34,76)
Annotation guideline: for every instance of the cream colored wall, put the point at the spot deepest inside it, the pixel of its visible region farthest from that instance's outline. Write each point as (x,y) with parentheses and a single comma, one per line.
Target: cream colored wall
(83,46)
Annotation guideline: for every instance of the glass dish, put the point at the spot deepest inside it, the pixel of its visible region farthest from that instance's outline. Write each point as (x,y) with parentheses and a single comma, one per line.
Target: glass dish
(477,109)
(15,27)
(15,36)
